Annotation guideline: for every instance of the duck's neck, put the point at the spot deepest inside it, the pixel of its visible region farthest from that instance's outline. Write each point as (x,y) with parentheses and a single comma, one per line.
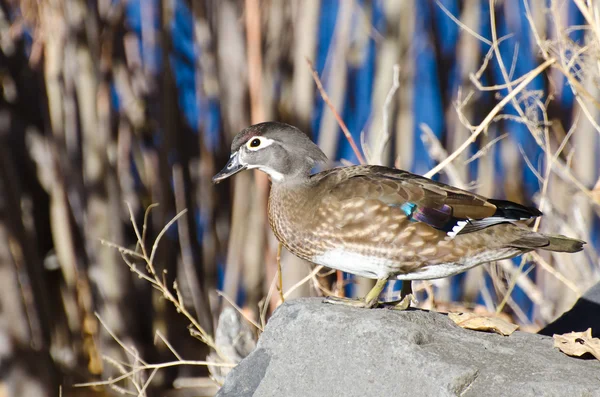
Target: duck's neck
(289,182)
(288,199)
(288,190)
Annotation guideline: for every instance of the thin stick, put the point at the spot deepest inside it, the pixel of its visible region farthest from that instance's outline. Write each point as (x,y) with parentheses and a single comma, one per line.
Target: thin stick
(267,302)
(162,233)
(305,279)
(239,309)
(122,250)
(153,366)
(119,341)
(166,342)
(335,113)
(136,230)
(514,279)
(339,284)
(483,151)
(550,166)
(147,383)
(557,274)
(437,152)
(279,276)
(145,224)
(462,25)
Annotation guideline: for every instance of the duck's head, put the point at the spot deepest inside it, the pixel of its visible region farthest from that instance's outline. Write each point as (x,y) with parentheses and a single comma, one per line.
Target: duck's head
(280,150)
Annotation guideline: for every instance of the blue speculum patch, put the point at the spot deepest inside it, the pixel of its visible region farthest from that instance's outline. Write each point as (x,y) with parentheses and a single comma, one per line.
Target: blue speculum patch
(408,209)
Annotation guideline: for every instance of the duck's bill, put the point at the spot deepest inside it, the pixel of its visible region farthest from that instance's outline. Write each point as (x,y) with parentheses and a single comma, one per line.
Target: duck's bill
(232,167)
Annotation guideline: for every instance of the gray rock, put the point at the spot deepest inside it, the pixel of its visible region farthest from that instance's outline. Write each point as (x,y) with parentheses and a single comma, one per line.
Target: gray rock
(234,339)
(313,349)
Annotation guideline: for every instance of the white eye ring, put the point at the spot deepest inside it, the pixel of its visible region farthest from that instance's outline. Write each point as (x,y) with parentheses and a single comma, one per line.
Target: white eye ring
(258,142)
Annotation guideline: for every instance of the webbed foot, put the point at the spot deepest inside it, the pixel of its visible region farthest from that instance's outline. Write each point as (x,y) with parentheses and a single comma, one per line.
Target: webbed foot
(336,300)
(401,304)
(369,301)
(406,298)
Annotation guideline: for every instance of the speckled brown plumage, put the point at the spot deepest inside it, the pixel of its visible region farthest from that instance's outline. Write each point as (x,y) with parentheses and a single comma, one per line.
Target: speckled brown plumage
(358,208)
(376,221)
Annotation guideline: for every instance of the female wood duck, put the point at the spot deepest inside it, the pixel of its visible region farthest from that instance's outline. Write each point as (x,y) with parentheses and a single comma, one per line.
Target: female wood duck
(379,222)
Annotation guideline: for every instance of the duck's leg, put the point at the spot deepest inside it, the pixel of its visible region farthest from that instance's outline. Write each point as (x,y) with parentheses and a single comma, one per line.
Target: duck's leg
(369,301)
(406,297)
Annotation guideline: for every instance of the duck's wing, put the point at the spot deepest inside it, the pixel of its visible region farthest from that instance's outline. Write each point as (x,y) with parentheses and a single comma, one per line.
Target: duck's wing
(359,192)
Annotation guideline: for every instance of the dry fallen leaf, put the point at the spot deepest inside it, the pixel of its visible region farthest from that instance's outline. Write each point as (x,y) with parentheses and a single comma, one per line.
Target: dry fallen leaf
(578,343)
(481,323)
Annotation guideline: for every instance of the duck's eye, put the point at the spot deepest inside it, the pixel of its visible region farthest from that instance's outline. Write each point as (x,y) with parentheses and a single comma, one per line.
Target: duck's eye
(255,142)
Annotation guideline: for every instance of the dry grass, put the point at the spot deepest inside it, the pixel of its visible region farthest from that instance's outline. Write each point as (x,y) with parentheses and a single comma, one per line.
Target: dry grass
(137,374)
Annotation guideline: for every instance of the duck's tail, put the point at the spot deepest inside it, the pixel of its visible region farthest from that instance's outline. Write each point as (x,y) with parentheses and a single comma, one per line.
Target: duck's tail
(558,243)
(548,242)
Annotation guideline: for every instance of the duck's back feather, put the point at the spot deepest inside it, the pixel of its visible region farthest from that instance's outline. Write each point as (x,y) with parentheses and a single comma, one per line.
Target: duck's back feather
(443,207)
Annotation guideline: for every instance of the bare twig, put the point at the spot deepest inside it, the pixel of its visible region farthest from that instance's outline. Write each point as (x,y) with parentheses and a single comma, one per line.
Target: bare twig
(279,277)
(239,309)
(335,113)
(126,348)
(266,301)
(517,277)
(311,275)
(558,275)
(159,281)
(438,153)
(167,364)
(462,25)
(166,342)
(484,150)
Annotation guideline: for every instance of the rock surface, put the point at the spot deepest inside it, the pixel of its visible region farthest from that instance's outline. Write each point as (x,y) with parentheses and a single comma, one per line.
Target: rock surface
(313,349)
